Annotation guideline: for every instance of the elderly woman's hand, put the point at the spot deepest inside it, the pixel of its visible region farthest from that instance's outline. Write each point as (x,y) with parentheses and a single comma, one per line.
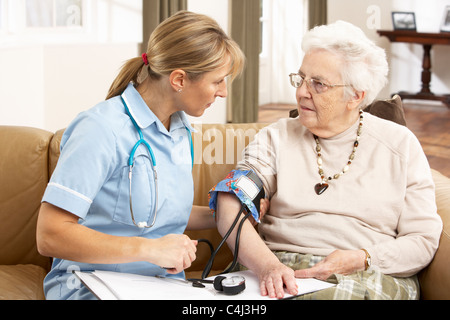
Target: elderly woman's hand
(264,208)
(343,262)
(276,279)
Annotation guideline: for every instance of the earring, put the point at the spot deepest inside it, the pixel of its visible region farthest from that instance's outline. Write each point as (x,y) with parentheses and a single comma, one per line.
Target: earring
(180,90)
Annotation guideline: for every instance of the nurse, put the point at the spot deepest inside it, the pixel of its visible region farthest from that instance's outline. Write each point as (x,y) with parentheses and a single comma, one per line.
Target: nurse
(86,221)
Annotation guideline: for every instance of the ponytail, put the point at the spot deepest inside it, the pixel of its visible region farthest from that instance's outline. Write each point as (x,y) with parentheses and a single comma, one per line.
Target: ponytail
(129,73)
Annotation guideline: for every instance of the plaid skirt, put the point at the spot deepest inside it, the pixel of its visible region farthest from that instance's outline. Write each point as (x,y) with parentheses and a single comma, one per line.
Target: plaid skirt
(361,285)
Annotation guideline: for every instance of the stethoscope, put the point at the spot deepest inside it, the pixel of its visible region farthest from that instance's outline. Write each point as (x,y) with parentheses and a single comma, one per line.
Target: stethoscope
(142,141)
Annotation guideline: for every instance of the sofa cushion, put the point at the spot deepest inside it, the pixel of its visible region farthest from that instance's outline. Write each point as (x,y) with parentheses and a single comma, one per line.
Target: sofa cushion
(435,279)
(21,282)
(391,109)
(24,177)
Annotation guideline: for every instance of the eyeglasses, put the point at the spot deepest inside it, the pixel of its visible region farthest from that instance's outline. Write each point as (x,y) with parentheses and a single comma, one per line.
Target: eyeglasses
(315,85)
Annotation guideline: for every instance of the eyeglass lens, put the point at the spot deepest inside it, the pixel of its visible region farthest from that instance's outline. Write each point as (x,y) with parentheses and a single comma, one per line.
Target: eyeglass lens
(316,86)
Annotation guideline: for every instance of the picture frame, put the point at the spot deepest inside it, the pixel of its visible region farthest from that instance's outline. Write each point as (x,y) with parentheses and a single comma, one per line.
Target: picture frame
(445,25)
(404,20)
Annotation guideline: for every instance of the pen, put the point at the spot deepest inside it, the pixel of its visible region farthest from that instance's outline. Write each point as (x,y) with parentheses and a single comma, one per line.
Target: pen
(195,284)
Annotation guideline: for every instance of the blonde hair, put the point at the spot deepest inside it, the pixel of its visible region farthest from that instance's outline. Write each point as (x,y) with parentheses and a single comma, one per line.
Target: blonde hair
(188,41)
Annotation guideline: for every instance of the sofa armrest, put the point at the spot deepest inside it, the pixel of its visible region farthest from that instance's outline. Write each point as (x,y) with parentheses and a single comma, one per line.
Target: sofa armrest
(435,279)
(24,177)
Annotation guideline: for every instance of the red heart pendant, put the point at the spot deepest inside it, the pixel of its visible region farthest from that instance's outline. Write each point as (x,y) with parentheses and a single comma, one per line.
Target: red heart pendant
(320,188)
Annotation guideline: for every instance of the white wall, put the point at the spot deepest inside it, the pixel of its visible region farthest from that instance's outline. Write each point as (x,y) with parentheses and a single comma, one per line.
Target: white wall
(46,86)
(405,59)
(21,86)
(46,80)
(70,88)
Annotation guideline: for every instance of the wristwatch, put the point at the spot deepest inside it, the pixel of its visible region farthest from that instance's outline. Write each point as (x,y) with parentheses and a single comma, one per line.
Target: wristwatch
(368,261)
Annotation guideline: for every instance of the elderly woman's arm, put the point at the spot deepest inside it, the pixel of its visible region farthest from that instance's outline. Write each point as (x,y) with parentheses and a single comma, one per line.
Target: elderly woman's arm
(272,274)
(274,277)
(419,226)
(343,262)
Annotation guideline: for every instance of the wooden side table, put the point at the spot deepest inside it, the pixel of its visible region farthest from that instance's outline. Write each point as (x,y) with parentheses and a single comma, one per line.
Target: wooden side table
(427,40)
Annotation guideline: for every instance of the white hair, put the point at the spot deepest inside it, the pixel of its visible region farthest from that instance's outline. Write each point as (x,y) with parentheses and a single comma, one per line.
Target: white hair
(365,67)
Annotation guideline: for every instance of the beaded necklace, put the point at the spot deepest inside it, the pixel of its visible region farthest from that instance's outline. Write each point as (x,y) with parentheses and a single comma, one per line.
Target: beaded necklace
(322,186)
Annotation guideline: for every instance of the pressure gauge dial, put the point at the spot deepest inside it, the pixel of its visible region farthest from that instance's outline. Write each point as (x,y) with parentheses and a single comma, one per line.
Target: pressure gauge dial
(230,285)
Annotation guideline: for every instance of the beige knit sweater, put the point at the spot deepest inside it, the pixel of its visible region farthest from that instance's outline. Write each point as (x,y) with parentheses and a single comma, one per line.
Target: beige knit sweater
(385,202)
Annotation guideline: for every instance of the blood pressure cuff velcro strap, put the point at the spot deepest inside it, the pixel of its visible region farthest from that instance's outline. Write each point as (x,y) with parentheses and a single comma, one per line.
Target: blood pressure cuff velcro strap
(246,185)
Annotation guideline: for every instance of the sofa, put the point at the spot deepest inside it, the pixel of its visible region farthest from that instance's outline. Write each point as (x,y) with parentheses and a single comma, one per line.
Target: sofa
(29,156)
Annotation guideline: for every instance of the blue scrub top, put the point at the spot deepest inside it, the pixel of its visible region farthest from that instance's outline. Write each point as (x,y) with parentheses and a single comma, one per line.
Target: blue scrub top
(91,181)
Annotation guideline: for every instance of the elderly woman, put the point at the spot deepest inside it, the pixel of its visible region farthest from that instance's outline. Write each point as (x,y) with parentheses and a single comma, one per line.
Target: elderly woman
(351,195)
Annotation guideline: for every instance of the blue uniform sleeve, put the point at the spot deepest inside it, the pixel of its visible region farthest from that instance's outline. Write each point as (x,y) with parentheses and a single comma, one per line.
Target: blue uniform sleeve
(88,152)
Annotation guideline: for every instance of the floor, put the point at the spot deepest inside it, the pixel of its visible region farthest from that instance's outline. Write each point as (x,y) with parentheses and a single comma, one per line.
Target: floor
(429,122)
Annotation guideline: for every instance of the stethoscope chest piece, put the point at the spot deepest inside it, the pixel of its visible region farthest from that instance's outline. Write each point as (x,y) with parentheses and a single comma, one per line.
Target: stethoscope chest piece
(229,285)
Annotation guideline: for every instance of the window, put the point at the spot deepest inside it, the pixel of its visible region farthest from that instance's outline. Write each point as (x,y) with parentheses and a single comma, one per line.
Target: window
(265,23)
(70,21)
(46,21)
(2,16)
(283,25)
(53,13)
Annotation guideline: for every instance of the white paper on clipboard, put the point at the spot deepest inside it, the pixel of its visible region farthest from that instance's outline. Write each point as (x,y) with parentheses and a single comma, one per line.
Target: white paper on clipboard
(107,285)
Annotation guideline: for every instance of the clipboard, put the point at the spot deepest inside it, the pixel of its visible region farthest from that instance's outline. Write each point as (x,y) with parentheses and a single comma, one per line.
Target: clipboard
(107,285)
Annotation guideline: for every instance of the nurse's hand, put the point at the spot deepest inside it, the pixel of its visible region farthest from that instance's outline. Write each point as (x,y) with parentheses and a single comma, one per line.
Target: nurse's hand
(173,252)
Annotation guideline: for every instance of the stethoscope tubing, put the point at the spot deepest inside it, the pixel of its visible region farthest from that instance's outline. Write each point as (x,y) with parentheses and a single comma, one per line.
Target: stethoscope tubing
(131,159)
(141,141)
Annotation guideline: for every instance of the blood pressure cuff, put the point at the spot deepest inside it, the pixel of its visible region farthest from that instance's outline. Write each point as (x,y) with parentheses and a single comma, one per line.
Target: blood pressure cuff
(246,185)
